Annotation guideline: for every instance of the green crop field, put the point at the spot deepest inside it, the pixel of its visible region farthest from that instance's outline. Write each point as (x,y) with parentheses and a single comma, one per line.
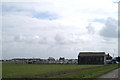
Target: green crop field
(11,70)
(91,73)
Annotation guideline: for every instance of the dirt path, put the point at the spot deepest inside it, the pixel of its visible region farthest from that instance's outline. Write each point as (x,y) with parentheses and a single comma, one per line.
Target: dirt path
(112,74)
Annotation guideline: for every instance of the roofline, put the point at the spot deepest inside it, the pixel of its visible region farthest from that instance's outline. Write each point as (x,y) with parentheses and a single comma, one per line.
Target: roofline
(91,53)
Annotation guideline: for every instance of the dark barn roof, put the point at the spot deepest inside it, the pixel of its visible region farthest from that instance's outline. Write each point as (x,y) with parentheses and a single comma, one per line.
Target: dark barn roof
(91,54)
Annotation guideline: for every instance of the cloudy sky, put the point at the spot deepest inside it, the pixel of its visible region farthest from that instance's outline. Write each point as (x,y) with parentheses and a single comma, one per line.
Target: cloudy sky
(59,28)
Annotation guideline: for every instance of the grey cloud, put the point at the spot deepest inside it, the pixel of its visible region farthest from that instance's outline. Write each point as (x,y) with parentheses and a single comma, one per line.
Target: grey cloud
(46,40)
(66,39)
(34,39)
(110,28)
(18,38)
(90,29)
(60,39)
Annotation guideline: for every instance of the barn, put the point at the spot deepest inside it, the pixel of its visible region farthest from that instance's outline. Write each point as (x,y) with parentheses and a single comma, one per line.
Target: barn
(91,58)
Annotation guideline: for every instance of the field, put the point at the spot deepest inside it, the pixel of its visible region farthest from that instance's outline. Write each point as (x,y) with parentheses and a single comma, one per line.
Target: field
(11,70)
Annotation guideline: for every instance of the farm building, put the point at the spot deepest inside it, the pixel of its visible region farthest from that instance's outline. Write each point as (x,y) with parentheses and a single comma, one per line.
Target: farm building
(51,60)
(91,58)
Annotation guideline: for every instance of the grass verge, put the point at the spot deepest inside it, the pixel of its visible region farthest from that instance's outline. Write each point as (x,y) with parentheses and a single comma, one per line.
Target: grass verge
(90,73)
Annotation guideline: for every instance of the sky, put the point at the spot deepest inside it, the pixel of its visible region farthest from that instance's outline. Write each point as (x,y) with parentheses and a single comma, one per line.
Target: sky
(58,28)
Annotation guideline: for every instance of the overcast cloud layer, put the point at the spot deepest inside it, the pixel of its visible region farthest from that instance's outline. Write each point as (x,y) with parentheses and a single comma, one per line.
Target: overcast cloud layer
(59,28)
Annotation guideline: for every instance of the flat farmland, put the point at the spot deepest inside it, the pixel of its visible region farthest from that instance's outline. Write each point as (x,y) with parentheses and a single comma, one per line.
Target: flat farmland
(11,70)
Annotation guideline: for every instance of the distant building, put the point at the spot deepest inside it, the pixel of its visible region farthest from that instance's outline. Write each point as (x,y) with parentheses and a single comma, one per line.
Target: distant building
(72,61)
(118,58)
(26,60)
(91,58)
(62,60)
(51,60)
(108,57)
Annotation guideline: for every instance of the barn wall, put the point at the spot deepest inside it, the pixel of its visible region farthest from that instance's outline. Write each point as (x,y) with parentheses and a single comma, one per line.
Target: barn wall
(91,60)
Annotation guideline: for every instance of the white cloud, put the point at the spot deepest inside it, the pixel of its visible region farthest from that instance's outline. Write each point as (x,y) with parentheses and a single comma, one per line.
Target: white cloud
(56,28)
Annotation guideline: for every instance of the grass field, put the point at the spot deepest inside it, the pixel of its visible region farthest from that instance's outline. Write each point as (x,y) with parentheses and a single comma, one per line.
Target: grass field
(91,73)
(23,70)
